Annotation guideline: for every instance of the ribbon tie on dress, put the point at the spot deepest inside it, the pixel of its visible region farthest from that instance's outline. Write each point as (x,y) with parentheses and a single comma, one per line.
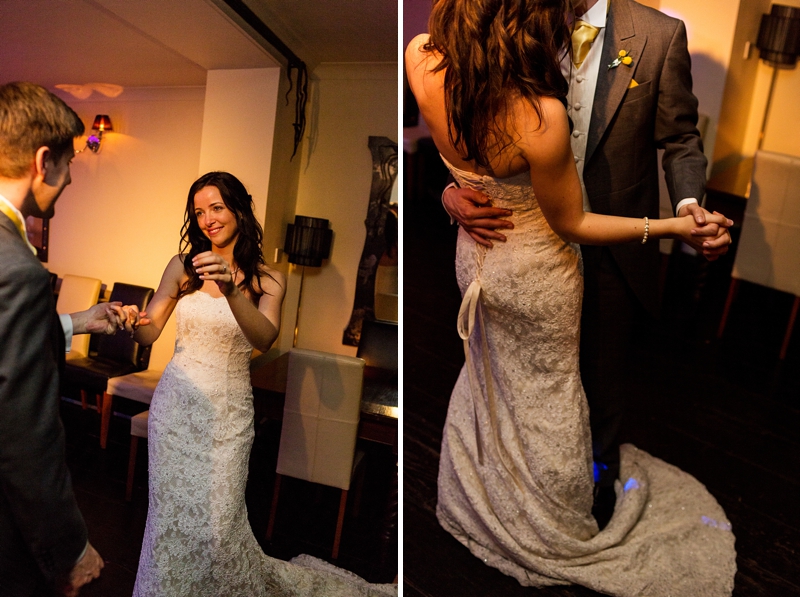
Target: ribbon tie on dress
(466,314)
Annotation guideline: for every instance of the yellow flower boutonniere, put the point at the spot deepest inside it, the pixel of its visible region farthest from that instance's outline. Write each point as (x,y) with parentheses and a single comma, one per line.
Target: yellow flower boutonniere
(622,58)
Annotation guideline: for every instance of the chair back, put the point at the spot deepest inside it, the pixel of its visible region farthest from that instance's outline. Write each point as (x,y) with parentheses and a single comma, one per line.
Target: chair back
(78,293)
(769,246)
(320,417)
(121,347)
(378,344)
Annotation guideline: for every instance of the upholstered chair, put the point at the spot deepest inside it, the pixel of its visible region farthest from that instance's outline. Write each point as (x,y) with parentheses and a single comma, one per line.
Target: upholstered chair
(320,425)
(78,293)
(117,355)
(769,246)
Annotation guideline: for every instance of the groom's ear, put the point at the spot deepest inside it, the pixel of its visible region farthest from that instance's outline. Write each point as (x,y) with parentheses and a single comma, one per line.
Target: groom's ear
(42,161)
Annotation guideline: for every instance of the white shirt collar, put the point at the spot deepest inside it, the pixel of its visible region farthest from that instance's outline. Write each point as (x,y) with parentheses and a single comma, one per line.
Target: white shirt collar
(16,211)
(596,15)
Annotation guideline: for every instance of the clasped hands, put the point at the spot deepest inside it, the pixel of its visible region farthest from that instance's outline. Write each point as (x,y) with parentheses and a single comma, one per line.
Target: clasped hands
(474,212)
(108,318)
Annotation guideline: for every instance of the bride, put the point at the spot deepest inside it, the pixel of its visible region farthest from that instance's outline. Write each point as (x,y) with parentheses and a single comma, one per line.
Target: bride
(197,539)
(516,471)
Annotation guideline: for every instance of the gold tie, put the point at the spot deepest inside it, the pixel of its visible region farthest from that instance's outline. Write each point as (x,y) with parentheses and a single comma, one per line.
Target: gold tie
(582,38)
(18,223)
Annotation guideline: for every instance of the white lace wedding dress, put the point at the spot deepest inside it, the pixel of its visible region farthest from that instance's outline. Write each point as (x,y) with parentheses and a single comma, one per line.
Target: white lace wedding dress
(516,472)
(197,540)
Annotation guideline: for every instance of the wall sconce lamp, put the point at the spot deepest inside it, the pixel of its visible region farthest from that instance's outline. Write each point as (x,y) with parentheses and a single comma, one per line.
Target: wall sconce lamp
(102,123)
(308,242)
(779,46)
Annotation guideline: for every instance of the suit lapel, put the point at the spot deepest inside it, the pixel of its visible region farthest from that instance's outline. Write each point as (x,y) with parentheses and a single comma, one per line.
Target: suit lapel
(613,83)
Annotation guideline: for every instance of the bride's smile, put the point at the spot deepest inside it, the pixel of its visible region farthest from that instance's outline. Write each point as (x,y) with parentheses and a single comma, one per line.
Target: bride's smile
(216,221)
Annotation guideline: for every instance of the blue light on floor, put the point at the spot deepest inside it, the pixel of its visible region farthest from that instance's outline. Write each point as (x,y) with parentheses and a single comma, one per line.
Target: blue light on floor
(631,484)
(724,526)
(599,466)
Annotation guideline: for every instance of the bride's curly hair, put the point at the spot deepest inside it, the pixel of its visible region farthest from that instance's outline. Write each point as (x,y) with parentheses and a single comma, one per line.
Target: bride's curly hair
(495,51)
(247,252)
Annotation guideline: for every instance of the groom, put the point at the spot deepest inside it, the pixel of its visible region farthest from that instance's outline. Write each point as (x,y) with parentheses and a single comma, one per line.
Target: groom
(43,538)
(623,112)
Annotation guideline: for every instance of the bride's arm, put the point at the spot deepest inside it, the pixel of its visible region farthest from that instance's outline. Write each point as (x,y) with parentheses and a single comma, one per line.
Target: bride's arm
(555,181)
(161,305)
(260,325)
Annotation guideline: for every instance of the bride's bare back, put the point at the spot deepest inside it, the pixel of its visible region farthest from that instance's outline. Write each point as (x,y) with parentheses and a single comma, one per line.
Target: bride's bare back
(428,88)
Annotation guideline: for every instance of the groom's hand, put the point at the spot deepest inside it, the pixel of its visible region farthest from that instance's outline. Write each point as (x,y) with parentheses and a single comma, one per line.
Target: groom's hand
(85,571)
(712,240)
(106,318)
(474,212)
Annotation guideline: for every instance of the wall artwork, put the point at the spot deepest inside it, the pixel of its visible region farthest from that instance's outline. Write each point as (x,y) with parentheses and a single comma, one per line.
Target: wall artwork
(384,173)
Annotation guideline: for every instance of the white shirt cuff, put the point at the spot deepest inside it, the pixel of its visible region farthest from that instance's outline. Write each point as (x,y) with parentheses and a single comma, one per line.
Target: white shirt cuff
(452,185)
(83,553)
(66,325)
(686,201)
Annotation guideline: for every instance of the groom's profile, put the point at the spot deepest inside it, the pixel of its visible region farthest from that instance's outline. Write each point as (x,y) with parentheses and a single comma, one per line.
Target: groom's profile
(44,548)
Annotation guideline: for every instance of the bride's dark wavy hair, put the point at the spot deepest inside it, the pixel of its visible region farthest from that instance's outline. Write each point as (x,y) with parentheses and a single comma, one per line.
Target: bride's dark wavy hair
(247,252)
(495,51)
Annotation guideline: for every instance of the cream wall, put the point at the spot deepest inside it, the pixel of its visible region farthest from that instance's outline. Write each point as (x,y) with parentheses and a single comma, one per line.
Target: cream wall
(120,219)
(737,100)
(348,104)
(238,128)
(710,29)
(783,119)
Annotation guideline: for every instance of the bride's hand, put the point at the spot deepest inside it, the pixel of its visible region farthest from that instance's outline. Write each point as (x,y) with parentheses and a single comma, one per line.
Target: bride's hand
(129,317)
(211,266)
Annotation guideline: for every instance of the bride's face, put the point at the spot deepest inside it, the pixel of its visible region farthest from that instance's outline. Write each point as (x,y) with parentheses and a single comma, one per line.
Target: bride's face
(216,221)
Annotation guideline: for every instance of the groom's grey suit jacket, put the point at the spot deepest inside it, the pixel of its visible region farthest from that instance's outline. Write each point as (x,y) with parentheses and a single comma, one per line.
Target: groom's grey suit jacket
(628,126)
(42,532)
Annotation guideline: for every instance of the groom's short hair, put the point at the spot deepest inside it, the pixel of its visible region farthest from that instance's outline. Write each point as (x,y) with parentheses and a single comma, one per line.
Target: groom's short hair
(31,117)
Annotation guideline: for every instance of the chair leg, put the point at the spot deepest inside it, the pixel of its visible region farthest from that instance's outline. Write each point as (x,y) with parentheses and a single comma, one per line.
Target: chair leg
(731,292)
(274,508)
(358,489)
(131,468)
(339,523)
(84,399)
(790,327)
(105,419)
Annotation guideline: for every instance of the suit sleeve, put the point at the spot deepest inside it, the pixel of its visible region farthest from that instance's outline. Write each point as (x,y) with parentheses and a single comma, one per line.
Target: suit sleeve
(676,124)
(34,479)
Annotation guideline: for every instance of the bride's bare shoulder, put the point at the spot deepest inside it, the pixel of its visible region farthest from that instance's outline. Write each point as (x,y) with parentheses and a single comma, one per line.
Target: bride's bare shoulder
(415,49)
(417,55)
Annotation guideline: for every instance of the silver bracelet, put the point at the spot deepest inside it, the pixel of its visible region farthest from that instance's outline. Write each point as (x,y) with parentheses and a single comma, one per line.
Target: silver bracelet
(646,229)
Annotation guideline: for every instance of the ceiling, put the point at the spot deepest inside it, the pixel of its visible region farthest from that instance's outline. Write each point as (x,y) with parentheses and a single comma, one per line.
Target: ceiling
(152,43)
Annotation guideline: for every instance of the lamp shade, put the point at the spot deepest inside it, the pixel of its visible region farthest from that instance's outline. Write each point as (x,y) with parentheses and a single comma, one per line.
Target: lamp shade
(779,35)
(102,123)
(308,241)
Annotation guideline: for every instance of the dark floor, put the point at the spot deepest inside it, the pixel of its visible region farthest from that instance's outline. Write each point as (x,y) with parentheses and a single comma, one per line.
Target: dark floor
(726,411)
(306,518)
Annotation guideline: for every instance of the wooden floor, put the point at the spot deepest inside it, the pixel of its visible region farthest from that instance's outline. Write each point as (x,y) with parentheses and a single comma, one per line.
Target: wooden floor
(726,411)
(306,518)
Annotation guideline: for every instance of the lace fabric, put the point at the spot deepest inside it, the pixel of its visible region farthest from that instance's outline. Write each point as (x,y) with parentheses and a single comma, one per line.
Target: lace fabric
(516,473)
(198,541)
